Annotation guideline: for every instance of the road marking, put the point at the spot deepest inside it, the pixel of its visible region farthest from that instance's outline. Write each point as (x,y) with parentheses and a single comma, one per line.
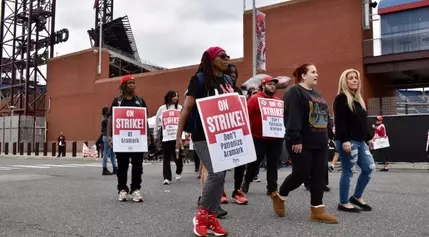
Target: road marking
(8,168)
(61,166)
(47,166)
(31,166)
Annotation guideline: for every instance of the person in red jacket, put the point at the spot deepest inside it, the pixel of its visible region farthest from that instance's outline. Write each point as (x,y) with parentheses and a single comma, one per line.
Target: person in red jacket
(380,131)
(267,132)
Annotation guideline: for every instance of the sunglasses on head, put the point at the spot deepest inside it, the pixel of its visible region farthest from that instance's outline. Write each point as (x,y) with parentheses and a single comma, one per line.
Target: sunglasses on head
(223,56)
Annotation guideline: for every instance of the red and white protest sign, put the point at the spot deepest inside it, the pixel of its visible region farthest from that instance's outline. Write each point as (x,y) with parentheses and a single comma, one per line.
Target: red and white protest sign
(272,117)
(129,129)
(227,131)
(170,123)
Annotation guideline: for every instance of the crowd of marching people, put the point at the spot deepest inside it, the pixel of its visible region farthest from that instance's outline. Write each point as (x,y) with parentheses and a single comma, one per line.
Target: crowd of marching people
(309,130)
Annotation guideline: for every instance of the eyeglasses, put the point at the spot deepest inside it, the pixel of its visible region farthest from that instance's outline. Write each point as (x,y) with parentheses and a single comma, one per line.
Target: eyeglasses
(223,56)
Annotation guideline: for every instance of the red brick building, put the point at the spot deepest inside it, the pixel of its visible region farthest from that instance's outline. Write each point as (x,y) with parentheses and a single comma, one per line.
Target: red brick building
(327,33)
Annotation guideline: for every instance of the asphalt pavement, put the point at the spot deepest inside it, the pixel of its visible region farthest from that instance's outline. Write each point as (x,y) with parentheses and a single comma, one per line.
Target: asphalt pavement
(70,198)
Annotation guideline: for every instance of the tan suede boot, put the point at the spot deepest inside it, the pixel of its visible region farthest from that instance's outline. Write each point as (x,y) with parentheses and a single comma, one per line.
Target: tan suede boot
(318,214)
(278,204)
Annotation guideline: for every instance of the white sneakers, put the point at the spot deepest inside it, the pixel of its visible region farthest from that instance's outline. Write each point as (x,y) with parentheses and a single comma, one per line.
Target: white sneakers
(136,196)
(168,182)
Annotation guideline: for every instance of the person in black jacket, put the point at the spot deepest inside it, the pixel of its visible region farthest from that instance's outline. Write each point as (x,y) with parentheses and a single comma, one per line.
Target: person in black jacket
(352,136)
(107,150)
(128,98)
(239,171)
(306,118)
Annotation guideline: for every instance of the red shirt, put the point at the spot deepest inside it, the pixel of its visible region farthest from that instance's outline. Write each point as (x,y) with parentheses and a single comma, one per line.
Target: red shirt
(255,115)
(380,130)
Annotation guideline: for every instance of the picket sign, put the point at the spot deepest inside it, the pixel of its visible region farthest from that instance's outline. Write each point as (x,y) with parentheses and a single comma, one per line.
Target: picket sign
(92,153)
(381,142)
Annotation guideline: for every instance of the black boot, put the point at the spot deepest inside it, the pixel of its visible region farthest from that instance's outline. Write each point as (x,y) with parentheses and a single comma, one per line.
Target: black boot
(221,212)
(115,170)
(106,172)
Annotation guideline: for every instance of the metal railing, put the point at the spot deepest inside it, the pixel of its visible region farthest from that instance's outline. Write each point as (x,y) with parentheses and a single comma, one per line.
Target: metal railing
(409,104)
(407,42)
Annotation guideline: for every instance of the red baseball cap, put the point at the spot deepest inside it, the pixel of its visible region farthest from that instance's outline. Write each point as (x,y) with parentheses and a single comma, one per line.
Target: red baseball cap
(269,79)
(126,78)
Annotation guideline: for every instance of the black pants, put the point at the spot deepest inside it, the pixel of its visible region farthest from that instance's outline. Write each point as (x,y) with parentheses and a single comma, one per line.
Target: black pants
(310,165)
(136,170)
(169,151)
(272,149)
(196,160)
(61,151)
(238,176)
(307,183)
(380,155)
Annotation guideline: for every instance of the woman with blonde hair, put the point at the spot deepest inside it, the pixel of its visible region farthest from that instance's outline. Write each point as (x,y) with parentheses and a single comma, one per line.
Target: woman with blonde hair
(352,140)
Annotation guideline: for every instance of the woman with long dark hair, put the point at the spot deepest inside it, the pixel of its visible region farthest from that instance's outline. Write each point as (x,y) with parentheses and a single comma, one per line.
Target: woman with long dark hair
(306,118)
(171,102)
(214,63)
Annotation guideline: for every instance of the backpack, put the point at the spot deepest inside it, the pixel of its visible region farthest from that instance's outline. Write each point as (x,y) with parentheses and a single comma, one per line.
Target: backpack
(194,116)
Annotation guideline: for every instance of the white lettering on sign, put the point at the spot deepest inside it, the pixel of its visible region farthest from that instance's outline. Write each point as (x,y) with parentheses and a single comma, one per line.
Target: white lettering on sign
(123,123)
(225,121)
(223,105)
(130,113)
(170,120)
(277,112)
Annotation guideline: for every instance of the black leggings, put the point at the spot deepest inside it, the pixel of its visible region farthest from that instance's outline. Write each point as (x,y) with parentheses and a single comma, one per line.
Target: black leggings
(136,170)
(238,176)
(310,165)
(169,151)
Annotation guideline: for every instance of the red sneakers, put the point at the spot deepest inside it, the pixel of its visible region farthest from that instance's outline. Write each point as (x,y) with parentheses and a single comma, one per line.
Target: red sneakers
(224,199)
(240,198)
(214,225)
(201,222)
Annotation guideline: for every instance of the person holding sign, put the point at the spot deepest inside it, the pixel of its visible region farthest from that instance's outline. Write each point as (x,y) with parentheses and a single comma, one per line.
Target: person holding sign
(168,114)
(213,63)
(266,121)
(352,139)
(237,194)
(306,119)
(380,134)
(128,127)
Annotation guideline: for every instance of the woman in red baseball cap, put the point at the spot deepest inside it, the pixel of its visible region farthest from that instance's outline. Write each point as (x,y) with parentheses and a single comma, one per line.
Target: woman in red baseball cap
(208,81)
(128,97)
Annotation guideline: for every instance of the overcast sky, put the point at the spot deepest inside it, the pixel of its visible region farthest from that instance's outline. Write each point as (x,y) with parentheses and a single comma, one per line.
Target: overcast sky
(169,33)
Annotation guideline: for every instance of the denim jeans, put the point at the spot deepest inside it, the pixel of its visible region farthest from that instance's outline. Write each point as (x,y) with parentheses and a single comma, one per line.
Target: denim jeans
(361,156)
(108,152)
